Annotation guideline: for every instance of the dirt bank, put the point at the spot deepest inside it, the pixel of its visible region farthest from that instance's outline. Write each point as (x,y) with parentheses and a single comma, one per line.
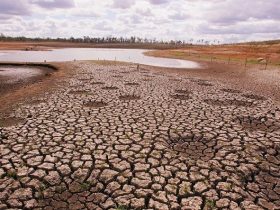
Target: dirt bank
(15,76)
(12,93)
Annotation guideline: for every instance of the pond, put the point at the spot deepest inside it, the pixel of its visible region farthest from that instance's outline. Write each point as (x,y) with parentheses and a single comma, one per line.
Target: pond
(70,54)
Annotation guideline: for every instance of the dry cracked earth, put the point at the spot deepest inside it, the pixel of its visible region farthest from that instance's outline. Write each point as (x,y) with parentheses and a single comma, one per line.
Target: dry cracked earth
(114,137)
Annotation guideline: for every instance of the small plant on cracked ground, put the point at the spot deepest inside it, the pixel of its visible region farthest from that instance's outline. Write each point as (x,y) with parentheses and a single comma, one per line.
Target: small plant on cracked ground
(121,207)
(12,174)
(210,204)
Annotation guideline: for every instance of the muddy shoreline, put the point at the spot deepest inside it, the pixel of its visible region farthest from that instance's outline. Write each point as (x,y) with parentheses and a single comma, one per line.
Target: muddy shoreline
(9,83)
(12,94)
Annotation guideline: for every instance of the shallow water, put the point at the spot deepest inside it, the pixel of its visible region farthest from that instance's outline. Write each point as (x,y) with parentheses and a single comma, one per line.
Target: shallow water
(70,54)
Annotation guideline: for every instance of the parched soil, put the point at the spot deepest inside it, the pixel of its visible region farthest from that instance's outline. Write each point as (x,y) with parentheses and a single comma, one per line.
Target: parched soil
(258,123)
(132,84)
(142,149)
(98,83)
(234,102)
(110,88)
(183,91)
(180,96)
(188,143)
(79,92)
(95,104)
(129,97)
(254,97)
(10,121)
(228,90)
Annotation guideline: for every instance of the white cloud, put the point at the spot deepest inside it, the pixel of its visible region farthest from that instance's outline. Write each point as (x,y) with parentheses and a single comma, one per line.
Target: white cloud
(53,4)
(123,4)
(8,7)
(226,20)
(159,1)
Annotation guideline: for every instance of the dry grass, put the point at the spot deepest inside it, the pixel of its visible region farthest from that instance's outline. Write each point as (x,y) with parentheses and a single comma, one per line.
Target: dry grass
(226,53)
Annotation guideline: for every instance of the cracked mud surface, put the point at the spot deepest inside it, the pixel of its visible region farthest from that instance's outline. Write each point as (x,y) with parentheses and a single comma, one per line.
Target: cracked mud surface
(99,143)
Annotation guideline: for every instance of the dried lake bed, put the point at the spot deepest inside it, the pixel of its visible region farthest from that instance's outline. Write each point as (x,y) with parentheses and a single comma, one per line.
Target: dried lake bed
(118,137)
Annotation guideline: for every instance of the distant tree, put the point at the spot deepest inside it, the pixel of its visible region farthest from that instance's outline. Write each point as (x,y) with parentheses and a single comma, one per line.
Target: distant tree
(109,39)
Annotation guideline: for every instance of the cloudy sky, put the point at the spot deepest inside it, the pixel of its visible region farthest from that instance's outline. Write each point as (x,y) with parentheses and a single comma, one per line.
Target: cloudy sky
(223,20)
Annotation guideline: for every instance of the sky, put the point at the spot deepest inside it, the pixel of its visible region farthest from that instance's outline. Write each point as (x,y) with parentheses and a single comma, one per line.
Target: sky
(223,20)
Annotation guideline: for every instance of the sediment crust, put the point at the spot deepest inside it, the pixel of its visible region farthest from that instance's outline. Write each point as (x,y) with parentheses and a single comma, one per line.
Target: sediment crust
(169,142)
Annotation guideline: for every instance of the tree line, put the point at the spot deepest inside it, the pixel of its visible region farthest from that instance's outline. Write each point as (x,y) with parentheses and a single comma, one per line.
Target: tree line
(110,40)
